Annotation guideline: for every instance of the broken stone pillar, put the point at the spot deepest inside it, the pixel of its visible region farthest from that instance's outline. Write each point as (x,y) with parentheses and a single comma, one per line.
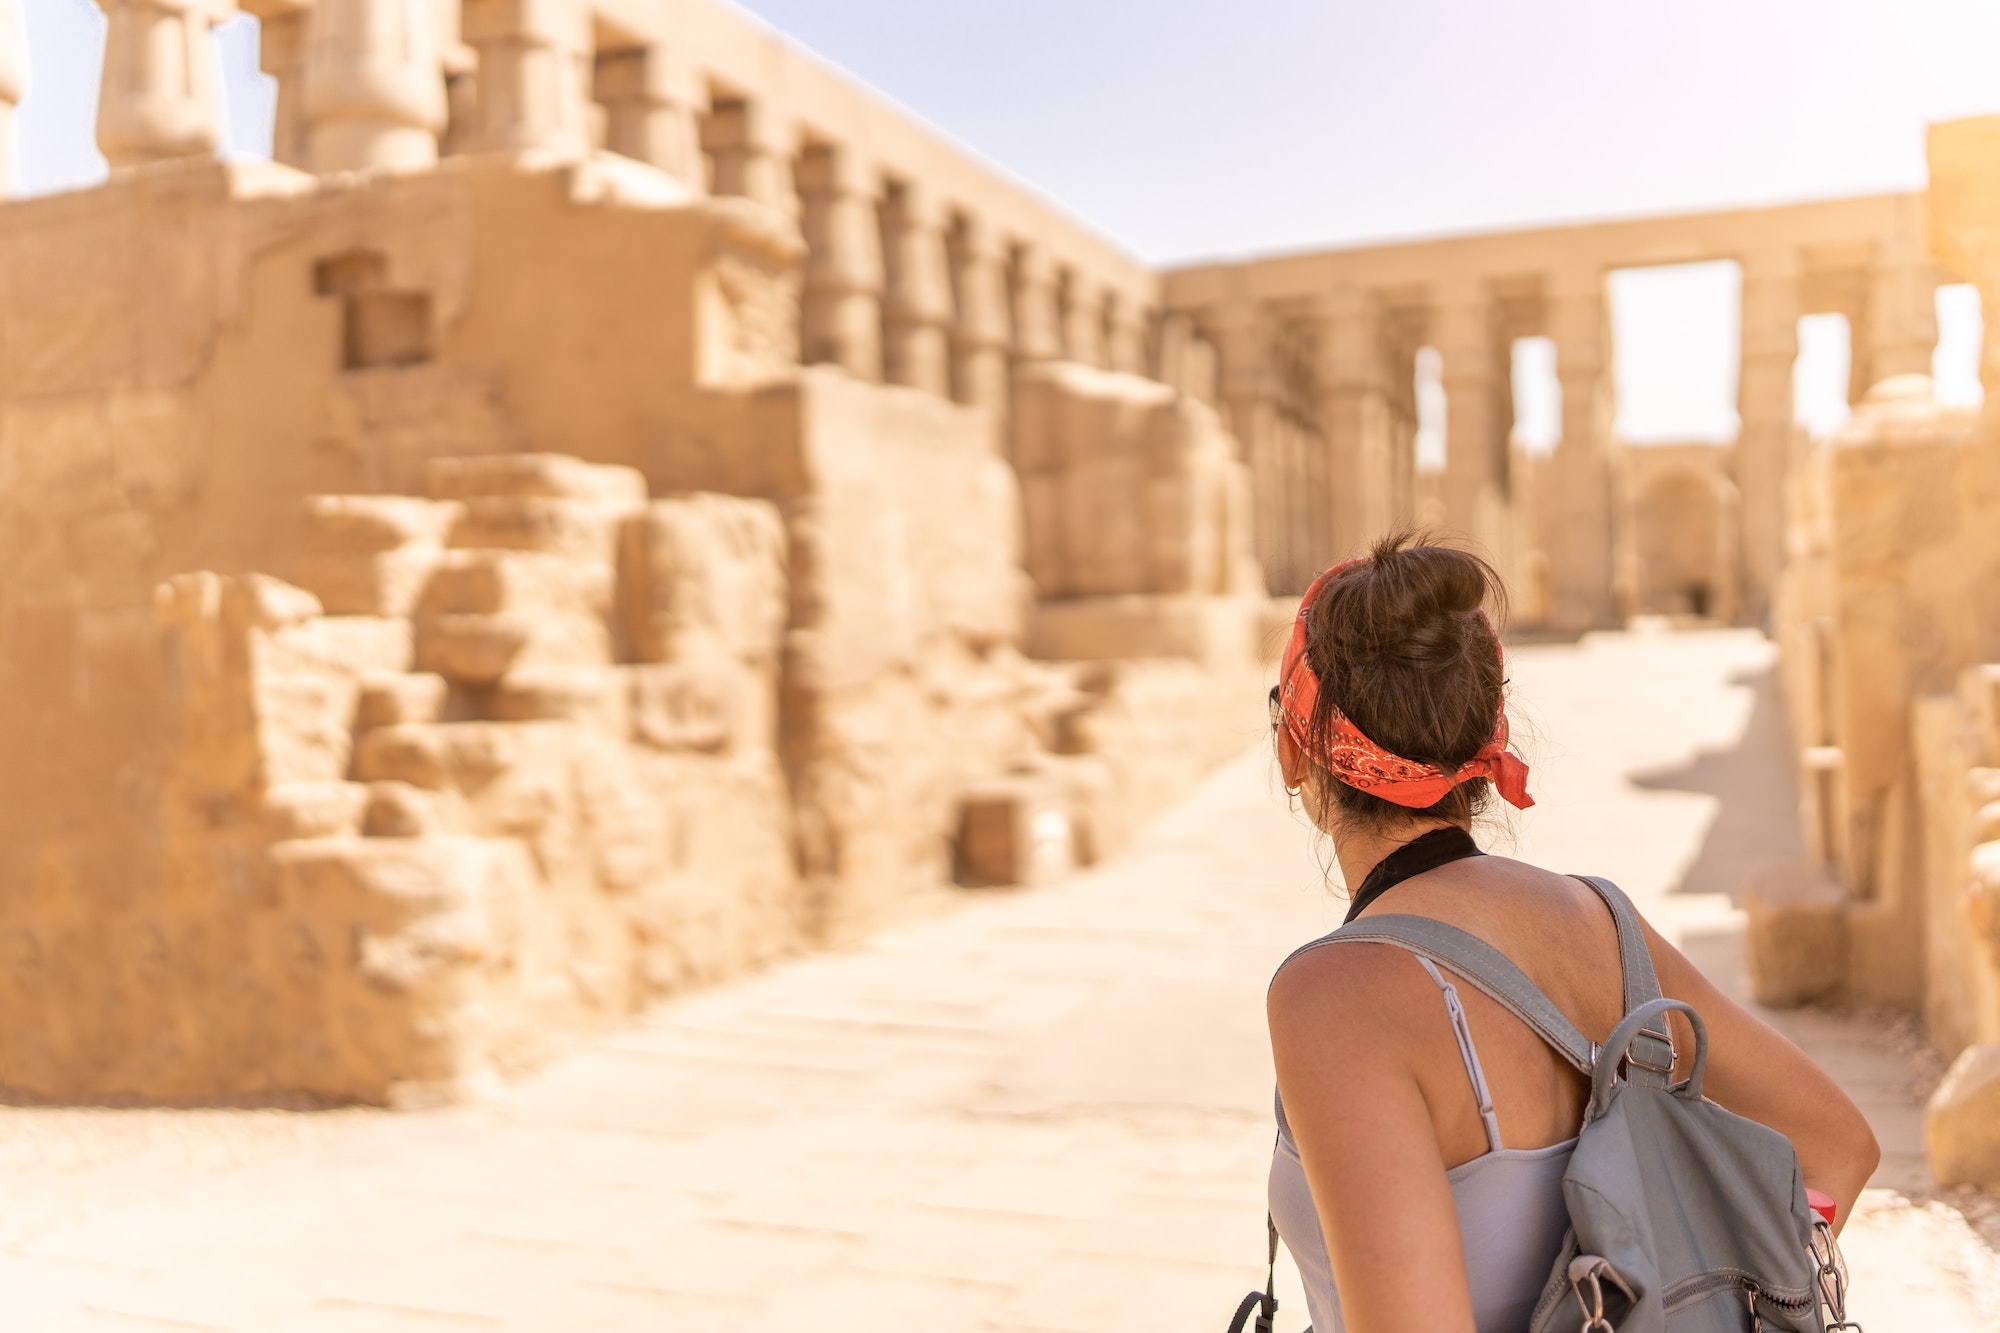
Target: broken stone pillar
(1962,1121)
(1770,346)
(917,303)
(841,305)
(1351,420)
(750,147)
(534,74)
(979,329)
(1475,467)
(652,107)
(159,98)
(1796,945)
(1083,321)
(13,84)
(374,85)
(1037,305)
(1015,831)
(1576,495)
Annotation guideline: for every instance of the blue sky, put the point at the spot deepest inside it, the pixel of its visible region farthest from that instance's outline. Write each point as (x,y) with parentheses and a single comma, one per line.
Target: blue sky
(1194,128)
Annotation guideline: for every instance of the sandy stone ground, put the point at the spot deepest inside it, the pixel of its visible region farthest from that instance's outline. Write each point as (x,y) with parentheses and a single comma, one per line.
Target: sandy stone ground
(1043,1110)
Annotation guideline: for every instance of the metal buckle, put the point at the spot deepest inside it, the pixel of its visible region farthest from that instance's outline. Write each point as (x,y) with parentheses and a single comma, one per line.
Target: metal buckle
(1633,1061)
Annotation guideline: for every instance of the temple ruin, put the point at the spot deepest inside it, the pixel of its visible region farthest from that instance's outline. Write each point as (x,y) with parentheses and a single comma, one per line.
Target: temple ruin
(614,501)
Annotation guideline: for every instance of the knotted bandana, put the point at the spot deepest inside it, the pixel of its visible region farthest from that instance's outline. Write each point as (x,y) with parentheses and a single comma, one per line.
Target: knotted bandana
(1361,763)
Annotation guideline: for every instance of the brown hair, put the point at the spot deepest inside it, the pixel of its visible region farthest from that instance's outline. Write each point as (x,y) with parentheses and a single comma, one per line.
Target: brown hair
(1401,646)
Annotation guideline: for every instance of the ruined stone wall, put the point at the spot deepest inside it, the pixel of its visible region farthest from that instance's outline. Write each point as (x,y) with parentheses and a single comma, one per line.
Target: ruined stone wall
(1887,596)
(438,614)
(1888,617)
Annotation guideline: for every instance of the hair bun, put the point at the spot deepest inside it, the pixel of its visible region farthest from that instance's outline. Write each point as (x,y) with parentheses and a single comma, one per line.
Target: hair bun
(1401,646)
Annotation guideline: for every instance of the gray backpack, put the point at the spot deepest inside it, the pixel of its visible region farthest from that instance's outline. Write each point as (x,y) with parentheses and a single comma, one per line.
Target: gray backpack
(1684,1218)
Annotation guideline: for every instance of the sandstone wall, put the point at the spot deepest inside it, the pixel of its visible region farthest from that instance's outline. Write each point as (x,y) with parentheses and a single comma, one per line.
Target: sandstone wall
(1888,615)
(1887,596)
(559,641)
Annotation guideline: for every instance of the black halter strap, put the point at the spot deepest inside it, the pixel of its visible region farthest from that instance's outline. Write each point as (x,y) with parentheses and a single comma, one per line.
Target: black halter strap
(1441,846)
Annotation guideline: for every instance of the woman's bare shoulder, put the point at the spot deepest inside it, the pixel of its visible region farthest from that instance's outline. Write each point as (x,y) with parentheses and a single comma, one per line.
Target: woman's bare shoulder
(1352,986)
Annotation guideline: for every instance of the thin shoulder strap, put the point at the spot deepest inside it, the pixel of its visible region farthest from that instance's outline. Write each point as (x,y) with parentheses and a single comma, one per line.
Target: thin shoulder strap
(1650,1061)
(1468,1053)
(1479,963)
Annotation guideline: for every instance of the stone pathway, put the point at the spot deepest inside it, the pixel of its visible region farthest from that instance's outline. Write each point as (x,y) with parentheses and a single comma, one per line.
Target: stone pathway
(1048,1110)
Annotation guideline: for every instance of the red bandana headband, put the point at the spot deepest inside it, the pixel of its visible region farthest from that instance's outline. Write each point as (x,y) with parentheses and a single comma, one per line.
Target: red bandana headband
(1366,766)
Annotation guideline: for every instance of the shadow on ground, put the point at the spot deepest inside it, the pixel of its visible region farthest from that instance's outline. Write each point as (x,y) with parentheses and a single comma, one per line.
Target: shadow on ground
(1755,782)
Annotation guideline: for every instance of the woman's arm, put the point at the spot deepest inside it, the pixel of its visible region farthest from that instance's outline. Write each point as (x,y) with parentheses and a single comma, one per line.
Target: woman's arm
(1755,1072)
(1365,1134)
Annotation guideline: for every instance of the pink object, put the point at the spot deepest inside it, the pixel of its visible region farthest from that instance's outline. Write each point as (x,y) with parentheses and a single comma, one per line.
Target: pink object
(1822,1205)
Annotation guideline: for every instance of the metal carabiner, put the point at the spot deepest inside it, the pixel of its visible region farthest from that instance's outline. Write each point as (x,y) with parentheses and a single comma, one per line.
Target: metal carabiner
(1583,1272)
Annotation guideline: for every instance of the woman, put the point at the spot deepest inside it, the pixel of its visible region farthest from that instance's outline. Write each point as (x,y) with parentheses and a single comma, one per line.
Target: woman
(1423,1129)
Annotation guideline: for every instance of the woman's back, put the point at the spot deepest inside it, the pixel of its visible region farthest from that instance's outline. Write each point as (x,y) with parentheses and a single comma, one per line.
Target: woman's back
(1557,931)
(1506,1187)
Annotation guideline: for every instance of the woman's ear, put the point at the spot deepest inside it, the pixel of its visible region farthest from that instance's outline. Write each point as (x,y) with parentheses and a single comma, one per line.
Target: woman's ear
(1291,759)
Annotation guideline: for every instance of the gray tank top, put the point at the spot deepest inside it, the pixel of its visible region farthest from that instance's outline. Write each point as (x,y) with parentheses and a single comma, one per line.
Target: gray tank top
(1511,1215)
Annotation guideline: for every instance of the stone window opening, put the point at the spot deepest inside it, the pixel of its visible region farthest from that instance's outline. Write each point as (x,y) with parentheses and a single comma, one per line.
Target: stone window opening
(1822,373)
(1535,395)
(379,326)
(1676,351)
(1432,404)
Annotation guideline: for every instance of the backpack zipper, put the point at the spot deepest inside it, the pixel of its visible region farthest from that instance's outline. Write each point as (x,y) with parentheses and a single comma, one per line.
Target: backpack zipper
(1702,1285)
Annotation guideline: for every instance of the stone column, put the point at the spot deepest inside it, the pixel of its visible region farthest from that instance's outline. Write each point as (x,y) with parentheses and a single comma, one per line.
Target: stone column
(653,103)
(374,85)
(1240,329)
(1036,305)
(916,310)
(979,331)
(535,71)
(160,98)
(1353,421)
(1125,333)
(1242,336)
(284,28)
(1083,320)
(1576,496)
(1467,336)
(1771,308)
(841,305)
(13,85)
(751,148)
(1902,321)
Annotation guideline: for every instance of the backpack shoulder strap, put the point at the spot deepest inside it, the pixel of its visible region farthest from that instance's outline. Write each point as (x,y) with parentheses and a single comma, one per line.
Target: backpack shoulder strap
(1651,1057)
(1479,963)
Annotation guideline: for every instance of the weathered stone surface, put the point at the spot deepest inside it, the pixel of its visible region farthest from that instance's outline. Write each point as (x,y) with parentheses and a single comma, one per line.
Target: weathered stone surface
(370,554)
(705,575)
(1796,945)
(584,530)
(479,650)
(1962,1122)
(705,704)
(515,583)
(387,699)
(534,476)
(592,696)
(687,647)
(1019,831)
